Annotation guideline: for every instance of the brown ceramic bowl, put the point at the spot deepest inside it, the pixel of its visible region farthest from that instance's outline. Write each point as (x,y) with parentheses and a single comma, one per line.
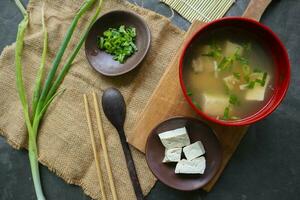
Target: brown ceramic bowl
(164,172)
(104,62)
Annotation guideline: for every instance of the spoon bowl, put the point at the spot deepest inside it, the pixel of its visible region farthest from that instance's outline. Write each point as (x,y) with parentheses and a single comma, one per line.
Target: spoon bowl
(114,107)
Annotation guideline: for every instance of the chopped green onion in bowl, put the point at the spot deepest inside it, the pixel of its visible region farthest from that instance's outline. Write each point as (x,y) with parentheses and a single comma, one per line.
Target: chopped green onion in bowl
(119,42)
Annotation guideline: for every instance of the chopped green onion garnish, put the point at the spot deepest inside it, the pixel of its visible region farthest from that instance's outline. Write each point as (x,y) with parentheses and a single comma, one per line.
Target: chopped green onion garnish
(233,99)
(188,92)
(241,59)
(118,42)
(226,113)
(237,75)
(196,104)
(251,84)
(225,63)
(263,81)
(215,52)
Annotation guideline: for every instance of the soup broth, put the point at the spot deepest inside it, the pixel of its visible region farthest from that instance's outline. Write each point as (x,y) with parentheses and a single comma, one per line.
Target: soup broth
(228,74)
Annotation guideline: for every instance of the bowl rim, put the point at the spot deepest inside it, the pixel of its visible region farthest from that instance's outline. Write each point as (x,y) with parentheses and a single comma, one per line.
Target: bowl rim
(141,58)
(259,115)
(216,169)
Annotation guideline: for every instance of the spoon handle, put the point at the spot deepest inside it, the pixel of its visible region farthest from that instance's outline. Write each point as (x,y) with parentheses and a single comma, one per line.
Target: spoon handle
(130,166)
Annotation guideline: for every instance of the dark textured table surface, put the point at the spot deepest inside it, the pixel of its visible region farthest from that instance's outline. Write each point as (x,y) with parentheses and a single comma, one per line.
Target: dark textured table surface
(265,166)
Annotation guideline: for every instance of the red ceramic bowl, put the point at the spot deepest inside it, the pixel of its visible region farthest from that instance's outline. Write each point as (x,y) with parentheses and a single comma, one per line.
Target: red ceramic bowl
(271,42)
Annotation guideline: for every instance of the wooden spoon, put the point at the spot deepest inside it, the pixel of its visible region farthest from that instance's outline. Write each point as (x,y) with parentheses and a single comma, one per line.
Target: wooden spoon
(115,110)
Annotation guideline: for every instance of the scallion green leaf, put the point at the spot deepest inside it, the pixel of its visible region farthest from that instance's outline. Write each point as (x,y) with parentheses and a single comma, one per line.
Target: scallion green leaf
(237,75)
(226,113)
(119,42)
(251,85)
(233,99)
(41,100)
(189,93)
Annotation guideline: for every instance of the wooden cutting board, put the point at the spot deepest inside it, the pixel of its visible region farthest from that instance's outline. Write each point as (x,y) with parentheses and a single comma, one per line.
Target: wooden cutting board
(168,101)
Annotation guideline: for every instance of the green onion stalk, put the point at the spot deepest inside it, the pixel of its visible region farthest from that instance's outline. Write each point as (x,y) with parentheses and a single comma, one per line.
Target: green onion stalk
(44,94)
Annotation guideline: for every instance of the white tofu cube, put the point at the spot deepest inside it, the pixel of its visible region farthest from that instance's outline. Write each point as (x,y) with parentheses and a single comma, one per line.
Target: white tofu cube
(202,63)
(195,166)
(214,104)
(194,150)
(231,81)
(258,92)
(175,138)
(231,48)
(172,155)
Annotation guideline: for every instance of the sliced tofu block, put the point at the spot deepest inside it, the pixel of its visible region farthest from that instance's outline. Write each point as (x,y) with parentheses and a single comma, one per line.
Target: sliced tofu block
(258,92)
(231,81)
(202,63)
(194,150)
(175,138)
(214,104)
(172,155)
(230,48)
(195,166)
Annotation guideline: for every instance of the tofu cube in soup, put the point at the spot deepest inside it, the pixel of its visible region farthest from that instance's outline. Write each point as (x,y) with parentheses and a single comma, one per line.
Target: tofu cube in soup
(194,150)
(195,166)
(172,155)
(203,63)
(174,138)
(258,92)
(231,48)
(214,104)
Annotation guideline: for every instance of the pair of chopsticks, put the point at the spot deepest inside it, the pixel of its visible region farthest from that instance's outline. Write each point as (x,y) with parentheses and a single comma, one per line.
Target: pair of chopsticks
(103,144)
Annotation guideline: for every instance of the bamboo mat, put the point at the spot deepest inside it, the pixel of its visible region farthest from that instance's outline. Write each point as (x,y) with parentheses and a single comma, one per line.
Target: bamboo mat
(202,10)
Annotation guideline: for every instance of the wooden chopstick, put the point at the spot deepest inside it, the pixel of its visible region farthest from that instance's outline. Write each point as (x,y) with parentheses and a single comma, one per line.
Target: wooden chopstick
(99,172)
(103,144)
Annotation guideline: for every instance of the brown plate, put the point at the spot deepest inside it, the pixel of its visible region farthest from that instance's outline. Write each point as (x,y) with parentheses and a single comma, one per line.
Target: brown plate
(164,172)
(104,62)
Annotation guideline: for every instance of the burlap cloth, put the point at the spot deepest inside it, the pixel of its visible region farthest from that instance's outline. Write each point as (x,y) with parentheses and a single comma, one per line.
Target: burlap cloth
(64,142)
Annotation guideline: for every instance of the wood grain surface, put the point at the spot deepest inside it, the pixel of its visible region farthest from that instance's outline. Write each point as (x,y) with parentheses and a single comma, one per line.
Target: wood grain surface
(168,101)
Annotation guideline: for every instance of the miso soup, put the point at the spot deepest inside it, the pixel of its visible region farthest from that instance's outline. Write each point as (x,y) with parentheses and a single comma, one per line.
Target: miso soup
(228,74)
